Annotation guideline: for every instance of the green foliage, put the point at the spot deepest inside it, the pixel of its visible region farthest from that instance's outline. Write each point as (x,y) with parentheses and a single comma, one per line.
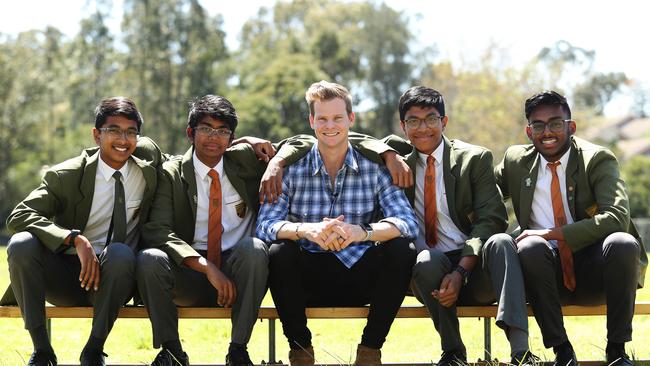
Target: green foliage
(363,46)
(598,90)
(636,173)
(170,51)
(485,104)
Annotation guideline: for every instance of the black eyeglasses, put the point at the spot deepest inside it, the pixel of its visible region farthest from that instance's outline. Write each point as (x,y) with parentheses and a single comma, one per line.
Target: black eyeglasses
(554,125)
(117,133)
(429,121)
(209,131)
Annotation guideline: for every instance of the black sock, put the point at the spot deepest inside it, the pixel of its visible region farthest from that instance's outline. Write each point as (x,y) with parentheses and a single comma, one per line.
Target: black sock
(95,343)
(236,346)
(566,346)
(613,346)
(174,346)
(40,340)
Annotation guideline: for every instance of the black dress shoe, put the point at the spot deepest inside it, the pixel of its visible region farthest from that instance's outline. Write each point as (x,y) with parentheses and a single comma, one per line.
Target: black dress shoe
(92,357)
(238,357)
(42,358)
(166,358)
(565,356)
(618,358)
(453,358)
(525,358)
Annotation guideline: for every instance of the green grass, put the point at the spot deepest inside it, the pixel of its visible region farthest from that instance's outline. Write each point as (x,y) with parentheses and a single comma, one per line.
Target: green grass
(206,341)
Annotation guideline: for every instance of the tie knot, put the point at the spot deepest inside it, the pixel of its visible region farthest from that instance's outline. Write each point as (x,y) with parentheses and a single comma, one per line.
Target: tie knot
(431,160)
(213,174)
(117,175)
(553,166)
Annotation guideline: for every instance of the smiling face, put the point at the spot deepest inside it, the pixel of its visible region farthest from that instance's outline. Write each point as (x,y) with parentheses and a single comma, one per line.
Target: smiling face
(331,123)
(423,136)
(552,145)
(210,148)
(116,150)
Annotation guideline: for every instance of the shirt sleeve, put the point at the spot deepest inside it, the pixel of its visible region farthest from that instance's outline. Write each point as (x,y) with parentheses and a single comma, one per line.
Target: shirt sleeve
(273,216)
(395,206)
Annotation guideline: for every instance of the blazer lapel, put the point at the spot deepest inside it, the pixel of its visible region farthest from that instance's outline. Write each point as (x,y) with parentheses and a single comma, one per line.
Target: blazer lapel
(149,174)
(86,189)
(230,168)
(527,190)
(189,179)
(448,166)
(571,176)
(411,160)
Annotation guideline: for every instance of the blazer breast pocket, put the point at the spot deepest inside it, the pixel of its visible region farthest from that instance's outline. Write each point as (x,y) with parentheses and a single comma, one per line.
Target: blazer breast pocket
(234,211)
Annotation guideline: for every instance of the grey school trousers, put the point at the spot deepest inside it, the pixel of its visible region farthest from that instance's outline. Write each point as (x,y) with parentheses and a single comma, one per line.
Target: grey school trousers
(164,285)
(497,276)
(606,273)
(37,274)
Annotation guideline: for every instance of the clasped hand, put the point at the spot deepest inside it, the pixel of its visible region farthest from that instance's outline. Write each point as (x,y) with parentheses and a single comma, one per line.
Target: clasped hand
(332,233)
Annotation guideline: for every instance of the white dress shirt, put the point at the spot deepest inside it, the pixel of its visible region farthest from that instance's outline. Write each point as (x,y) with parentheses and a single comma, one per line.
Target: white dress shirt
(235,227)
(541,216)
(449,236)
(101,210)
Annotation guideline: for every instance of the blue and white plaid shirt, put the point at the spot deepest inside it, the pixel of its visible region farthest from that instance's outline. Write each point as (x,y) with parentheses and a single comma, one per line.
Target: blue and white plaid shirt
(363,193)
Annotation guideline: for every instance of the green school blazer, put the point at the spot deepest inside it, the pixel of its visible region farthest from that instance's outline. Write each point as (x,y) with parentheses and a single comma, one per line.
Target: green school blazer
(475,204)
(63,200)
(598,202)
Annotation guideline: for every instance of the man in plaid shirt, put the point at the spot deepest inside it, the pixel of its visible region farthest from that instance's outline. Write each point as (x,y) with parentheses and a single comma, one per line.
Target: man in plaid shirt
(340,233)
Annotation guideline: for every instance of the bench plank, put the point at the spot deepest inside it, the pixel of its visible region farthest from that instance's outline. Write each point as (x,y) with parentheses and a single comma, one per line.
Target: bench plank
(139,312)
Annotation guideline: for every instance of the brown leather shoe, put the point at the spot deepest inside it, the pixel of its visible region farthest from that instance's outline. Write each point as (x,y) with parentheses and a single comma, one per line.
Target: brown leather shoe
(367,356)
(301,357)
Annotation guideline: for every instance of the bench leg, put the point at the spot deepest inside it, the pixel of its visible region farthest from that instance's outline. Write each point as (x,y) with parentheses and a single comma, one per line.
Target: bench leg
(272,341)
(487,339)
(48,326)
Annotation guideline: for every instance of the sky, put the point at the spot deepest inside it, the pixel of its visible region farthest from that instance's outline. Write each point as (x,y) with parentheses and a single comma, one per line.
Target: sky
(460,29)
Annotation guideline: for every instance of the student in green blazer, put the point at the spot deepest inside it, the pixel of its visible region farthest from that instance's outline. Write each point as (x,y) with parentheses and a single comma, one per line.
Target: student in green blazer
(583,248)
(61,253)
(469,261)
(175,270)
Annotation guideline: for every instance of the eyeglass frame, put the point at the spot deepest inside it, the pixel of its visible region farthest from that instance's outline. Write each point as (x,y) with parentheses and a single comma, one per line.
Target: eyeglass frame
(547,124)
(115,132)
(209,131)
(429,121)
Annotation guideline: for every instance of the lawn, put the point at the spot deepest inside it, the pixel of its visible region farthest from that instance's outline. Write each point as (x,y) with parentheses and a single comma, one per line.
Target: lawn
(206,341)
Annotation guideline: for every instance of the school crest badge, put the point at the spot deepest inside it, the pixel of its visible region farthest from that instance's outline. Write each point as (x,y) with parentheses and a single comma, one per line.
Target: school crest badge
(240,208)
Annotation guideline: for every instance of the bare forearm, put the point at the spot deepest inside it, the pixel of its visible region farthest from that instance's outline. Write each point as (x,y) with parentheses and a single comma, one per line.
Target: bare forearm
(383,231)
(468,262)
(199,264)
(291,231)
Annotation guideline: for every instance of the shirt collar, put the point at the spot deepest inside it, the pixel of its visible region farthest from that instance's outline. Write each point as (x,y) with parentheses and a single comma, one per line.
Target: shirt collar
(317,162)
(437,154)
(202,170)
(564,160)
(107,172)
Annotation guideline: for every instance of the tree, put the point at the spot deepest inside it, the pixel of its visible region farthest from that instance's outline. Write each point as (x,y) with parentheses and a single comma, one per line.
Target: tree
(485,102)
(360,45)
(636,173)
(598,90)
(93,58)
(174,52)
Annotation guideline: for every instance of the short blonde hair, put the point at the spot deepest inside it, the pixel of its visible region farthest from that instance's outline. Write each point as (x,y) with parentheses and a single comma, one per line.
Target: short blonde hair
(325,91)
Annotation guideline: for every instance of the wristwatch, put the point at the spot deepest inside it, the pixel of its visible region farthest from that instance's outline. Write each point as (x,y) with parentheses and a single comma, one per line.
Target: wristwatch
(463,273)
(73,235)
(368,229)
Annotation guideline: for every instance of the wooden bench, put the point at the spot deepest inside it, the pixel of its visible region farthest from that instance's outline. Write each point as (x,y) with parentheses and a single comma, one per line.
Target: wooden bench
(270,314)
